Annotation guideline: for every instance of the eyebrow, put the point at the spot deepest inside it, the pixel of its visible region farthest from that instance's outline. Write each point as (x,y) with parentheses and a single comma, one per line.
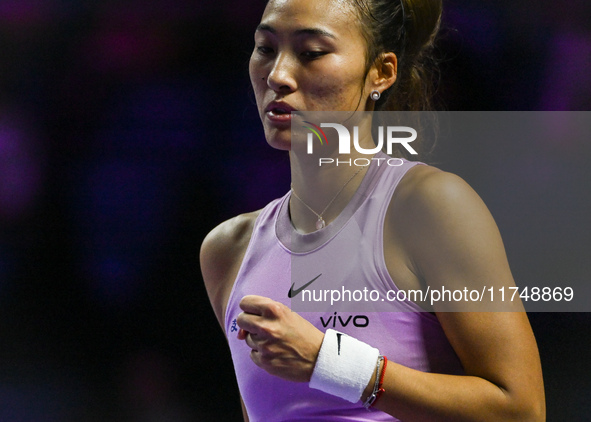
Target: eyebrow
(304,31)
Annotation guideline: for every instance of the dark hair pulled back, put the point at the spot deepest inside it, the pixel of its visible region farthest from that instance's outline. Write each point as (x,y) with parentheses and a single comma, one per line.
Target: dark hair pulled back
(408,29)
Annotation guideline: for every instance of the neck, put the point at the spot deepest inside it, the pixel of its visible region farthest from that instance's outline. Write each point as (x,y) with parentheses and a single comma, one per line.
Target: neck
(323,191)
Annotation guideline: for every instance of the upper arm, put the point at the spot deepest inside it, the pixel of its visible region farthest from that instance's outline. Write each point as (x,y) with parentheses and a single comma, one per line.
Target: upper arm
(453,240)
(221,255)
(455,244)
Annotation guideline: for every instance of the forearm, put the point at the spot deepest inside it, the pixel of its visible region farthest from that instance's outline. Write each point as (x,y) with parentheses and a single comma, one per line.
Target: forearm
(412,395)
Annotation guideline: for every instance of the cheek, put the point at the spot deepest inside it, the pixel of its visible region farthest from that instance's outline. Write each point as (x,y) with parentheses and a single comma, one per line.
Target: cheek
(257,80)
(335,92)
(254,66)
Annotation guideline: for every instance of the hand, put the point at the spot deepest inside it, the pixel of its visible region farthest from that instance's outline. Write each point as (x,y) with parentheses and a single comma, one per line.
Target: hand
(283,343)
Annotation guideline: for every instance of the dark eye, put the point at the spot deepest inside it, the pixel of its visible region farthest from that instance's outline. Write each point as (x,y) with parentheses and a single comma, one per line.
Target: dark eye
(311,55)
(264,50)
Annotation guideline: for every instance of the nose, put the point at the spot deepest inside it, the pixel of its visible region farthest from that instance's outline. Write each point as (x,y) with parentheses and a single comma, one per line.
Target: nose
(282,78)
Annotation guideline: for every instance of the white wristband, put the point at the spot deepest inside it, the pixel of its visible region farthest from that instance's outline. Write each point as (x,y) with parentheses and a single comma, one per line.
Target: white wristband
(344,366)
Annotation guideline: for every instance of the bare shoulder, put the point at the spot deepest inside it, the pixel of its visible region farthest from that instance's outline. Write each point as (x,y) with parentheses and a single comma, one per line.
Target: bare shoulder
(426,186)
(441,202)
(419,227)
(221,255)
(228,239)
(445,228)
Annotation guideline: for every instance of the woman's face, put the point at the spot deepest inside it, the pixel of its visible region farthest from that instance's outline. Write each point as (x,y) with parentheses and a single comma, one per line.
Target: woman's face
(308,55)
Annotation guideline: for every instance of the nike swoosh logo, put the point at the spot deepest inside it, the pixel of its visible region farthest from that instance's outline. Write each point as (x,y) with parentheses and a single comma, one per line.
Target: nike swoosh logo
(294,293)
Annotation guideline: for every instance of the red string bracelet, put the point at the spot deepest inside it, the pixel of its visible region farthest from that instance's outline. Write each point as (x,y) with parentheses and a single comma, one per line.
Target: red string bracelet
(380,388)
(377,388)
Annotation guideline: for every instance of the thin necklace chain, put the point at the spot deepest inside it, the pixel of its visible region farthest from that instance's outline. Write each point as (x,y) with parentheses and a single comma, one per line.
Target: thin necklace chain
(320,224)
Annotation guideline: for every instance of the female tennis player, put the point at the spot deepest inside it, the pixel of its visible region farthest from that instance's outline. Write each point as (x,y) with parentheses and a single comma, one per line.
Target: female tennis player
(397,227)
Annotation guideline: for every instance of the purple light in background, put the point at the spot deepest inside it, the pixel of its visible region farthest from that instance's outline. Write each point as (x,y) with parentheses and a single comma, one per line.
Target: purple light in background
(38,393)
(20,170)
(135,37)
(478,20)
(26,12)
(129,190)
(122,221)
(114,279)
(568,72)
(126,48)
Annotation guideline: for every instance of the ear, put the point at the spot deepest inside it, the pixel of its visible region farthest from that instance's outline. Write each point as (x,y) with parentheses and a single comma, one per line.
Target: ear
(384,72)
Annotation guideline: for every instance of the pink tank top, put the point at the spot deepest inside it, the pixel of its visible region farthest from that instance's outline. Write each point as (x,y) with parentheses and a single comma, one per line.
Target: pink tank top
(349,250)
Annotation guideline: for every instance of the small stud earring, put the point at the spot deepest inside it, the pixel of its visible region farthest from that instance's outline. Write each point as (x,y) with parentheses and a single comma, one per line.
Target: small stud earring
(375,95)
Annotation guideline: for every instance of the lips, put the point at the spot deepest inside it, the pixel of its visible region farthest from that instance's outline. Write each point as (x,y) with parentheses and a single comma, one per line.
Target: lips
(278,111)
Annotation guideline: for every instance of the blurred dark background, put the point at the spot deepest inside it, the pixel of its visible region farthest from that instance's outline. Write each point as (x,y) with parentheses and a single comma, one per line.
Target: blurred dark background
(128,131)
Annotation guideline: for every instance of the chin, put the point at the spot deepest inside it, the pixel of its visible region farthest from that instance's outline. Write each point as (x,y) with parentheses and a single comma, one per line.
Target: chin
(279,144)
(279,139)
